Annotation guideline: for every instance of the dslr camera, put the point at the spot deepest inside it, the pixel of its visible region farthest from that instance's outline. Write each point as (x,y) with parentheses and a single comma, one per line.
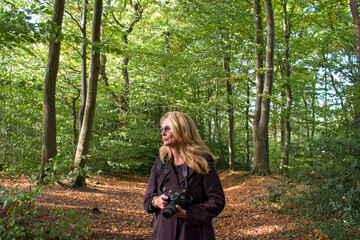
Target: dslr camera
(181,199)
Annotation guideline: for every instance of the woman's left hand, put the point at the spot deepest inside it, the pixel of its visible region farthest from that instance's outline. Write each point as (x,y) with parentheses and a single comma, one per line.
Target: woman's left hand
(181,213)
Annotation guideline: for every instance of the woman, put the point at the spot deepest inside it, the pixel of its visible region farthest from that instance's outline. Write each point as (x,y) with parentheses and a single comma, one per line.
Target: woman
(187,170)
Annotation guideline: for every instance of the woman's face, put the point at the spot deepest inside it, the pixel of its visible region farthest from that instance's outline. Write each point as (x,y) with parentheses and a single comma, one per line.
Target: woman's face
(168,137)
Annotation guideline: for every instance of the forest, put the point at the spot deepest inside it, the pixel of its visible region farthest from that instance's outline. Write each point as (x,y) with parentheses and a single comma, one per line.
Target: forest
(273,87)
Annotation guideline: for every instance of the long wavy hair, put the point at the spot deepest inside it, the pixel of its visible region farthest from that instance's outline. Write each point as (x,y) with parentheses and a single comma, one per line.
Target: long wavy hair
(192,147)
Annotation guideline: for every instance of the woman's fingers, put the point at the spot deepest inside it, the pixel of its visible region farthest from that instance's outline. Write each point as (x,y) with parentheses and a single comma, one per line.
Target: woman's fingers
(181,213)
(162,201)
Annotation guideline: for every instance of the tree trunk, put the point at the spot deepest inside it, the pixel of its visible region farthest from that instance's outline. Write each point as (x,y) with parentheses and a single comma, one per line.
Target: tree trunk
(230,110)
(81,155)
(49,149)
(356,19)
(247,138)
(285,115)
(83,65)
(217,135)
(125,74)
(216,117)
(313,111)
(355,14)
(209,93)
(263,90)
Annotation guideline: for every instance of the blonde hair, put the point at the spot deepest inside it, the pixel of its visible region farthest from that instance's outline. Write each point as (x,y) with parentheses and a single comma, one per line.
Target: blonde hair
(192,147)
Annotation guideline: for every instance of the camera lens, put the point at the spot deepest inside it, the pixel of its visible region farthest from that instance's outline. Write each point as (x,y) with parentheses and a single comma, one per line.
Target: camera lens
(168,213)
(170,210)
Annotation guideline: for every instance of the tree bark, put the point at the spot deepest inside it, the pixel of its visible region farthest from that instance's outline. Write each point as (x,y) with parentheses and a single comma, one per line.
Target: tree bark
(209,93)
(49,148)
(83,65)
(285,114)
(125,74)
(356,19)
(261,165)
(247,138)
(230,111)
(355,14)
(81,155)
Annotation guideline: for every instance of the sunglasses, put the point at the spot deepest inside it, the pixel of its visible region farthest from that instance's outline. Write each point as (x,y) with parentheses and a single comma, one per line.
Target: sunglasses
(166,129)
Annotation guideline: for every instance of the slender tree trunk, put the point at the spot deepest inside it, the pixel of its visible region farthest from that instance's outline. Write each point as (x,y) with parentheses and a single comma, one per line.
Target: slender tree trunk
(74,126)
(81,155)
(209,93)
(285,115)
(307,117)
(264,87)
(326,105)
(217,136)
(313,113)
(83,65)
(216,121)
(125,74)
(247,130)
(49,149)
(230,110)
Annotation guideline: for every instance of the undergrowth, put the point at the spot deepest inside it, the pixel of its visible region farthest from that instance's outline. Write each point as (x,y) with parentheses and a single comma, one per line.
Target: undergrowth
(326,194)
(18,218)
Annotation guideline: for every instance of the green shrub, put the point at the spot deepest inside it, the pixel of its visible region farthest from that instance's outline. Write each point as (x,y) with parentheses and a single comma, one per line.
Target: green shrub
(19,213)
(129,150)
(327,194)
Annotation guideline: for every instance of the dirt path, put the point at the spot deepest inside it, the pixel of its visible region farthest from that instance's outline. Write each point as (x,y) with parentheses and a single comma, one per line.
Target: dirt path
(122,216)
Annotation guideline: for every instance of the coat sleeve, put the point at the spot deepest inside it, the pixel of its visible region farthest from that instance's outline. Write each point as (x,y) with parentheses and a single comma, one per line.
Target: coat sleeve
(214,203)
(151,190)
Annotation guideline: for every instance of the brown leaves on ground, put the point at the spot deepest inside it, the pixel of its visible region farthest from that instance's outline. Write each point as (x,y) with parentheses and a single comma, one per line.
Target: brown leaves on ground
(114,208)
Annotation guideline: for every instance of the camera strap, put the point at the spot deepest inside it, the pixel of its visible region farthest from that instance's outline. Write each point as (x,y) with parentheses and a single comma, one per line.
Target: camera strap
(185,174)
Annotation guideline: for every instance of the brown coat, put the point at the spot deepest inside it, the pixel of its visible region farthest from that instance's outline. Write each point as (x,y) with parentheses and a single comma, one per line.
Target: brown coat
(209,201)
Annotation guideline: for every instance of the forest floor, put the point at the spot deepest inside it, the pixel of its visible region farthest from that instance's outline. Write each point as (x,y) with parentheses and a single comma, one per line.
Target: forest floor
(114,208)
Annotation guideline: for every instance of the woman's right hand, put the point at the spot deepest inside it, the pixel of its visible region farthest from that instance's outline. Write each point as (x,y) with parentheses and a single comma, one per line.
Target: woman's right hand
(160,201)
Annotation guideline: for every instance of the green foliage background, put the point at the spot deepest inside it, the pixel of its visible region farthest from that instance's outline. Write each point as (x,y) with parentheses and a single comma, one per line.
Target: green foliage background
(175,63)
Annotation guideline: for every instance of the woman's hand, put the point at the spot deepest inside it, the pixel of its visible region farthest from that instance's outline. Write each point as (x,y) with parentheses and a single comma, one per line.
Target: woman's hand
(160,201)
(181,213)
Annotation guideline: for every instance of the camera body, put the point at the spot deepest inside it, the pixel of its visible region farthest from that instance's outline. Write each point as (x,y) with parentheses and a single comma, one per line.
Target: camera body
(176,198)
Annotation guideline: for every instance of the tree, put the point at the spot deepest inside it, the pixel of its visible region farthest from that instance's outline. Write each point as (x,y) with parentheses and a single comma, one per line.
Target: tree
(230,109)
(263,88)
(83,64)
(286,91)
(81,154)
(49,149)
(247,130)
(355,14)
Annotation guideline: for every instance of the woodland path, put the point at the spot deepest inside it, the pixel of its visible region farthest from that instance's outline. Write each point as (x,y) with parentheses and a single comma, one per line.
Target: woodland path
(121,215)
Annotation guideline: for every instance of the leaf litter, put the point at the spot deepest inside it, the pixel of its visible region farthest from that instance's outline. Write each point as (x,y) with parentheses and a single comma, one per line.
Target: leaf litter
(113,206)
